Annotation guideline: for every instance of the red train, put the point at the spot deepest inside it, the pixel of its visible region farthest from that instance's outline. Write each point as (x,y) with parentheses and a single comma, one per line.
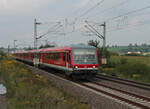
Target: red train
(80,61)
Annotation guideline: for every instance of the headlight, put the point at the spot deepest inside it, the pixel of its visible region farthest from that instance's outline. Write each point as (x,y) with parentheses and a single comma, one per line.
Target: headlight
(93,66)
(76,67)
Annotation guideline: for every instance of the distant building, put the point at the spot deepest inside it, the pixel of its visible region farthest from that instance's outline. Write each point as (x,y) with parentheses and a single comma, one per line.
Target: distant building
(134,53)
(145,54)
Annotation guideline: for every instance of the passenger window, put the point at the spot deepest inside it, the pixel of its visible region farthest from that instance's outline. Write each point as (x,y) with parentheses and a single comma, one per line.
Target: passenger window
(64,57)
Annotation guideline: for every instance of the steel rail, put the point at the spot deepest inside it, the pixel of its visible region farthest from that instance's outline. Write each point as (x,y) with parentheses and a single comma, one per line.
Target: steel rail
(124,81)
(122,91)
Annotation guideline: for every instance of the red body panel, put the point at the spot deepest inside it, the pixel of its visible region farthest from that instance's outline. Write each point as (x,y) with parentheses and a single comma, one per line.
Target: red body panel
(54,52)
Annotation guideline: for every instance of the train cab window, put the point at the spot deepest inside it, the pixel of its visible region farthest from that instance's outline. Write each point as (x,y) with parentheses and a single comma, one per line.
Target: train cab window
(84,56)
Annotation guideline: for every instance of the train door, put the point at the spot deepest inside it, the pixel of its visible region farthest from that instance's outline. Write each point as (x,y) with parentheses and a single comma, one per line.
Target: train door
(68,59)
(64,58)
(36,59)
(41,57)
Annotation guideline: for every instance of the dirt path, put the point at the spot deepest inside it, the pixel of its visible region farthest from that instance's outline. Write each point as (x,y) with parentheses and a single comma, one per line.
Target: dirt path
(3,101)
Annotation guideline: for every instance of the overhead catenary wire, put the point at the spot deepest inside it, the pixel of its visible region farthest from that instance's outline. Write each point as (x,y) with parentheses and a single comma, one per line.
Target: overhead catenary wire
(89,10)
(131,12)
(131,26)
(92,8)
(93,30)
(122,3)
(49,31)
(115,6)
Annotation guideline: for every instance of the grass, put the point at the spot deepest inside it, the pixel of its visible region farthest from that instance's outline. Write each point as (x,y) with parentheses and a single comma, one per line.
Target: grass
(130,67)
(142,59)
(117,49)
(28,91)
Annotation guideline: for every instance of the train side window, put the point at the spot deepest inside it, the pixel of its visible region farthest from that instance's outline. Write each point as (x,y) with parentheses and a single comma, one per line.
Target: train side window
(64,57)
(46,55)
(39,55)
(59,56)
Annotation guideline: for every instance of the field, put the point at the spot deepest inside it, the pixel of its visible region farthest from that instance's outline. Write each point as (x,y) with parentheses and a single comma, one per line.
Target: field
(117,49)
(28,91)
(130,67)
(145,60)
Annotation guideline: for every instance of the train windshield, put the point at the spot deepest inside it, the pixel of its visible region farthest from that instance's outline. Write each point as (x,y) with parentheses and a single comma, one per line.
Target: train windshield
(84,56)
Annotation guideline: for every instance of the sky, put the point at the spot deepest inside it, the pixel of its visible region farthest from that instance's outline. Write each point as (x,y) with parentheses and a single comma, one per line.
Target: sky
(127,21)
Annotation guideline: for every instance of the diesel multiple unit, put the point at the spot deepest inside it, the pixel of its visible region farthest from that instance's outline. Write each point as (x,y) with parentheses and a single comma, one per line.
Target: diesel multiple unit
(80,61)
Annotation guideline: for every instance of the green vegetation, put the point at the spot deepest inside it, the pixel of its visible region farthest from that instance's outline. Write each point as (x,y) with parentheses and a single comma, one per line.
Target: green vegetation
(134,67)
(2,55)
(143,48)
(28,91)
(129,67)
(120,49)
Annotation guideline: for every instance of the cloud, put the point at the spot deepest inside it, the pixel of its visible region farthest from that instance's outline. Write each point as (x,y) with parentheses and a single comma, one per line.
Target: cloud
(83,3)
(21,6)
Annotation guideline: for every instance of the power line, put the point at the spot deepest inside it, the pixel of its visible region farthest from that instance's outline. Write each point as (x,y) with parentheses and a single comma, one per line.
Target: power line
(131,26)
(89,10)
(131,12)
(105,10)
(92,8)
(122,3)
(49,31)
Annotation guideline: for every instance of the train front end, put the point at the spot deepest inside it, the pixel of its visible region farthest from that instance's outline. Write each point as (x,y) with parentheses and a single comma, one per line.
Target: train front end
(85,62)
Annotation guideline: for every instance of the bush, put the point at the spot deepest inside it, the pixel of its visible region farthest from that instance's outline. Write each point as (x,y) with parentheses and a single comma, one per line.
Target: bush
(114,53)
(112,64)
(123,61)
(2,55)
(132,68)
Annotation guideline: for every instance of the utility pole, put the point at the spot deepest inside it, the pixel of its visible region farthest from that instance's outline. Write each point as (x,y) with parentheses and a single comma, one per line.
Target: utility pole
(15,45)
(35,41)
(8,49)
(104,34)
(36,37)
(104,60)
(35,33)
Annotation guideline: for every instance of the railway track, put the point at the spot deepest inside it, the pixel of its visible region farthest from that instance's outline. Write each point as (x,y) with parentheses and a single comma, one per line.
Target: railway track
(124,81)
(132,100)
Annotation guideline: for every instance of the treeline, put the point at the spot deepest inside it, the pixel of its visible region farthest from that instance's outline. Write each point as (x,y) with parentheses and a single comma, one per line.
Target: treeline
(143,48)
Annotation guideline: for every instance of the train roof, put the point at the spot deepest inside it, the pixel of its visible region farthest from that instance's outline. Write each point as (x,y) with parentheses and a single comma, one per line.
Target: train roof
(83,46)
(60,48)
(69,48)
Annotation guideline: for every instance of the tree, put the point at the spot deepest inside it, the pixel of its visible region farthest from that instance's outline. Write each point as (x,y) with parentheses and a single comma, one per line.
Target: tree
(94,43)
(29,48)
(47,46)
